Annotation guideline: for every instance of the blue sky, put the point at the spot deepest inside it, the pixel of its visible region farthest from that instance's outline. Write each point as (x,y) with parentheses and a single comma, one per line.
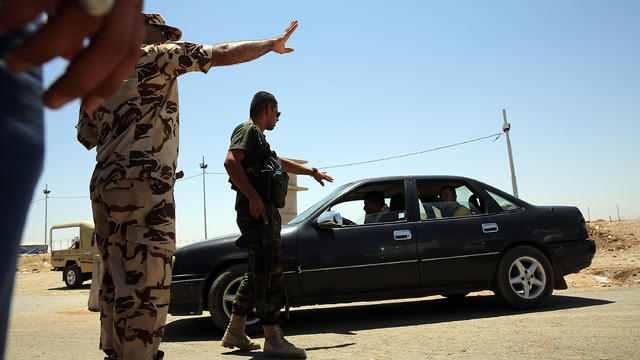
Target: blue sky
(371,79)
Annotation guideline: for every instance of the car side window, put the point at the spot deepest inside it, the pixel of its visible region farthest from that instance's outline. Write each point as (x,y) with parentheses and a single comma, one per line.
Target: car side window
(504,204)
(373,203)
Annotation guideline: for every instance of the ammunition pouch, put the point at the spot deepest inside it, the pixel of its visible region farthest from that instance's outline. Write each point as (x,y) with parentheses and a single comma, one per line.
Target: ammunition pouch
(275,181)
(279,186)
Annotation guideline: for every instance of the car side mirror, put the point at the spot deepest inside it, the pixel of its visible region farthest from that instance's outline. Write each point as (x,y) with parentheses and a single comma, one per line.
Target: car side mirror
(329,220)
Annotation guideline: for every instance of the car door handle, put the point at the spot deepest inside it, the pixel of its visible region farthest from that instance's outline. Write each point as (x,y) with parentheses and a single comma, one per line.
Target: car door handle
(489,228)
(402,235)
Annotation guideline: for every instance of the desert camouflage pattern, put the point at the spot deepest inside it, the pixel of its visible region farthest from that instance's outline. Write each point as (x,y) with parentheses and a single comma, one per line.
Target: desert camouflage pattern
(134,293)
(136,130)
(252,292)
(158,20)
(136,134)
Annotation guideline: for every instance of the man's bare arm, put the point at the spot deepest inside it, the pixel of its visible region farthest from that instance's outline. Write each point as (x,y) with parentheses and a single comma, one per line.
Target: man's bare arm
(242,51)
(295,168)
(233,165)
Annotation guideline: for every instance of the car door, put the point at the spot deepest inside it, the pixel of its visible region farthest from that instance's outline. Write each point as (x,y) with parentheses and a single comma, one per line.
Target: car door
(460,250)
(358,258)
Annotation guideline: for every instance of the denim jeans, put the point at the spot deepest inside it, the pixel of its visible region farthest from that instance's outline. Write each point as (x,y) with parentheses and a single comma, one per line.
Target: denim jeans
(21,152)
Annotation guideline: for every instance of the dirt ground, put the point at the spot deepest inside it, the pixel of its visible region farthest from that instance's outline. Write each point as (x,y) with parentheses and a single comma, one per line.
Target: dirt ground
(617,259)
(49,321)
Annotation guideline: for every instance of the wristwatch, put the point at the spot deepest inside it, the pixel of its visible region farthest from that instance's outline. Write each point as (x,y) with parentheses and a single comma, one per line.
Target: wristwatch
(314,171)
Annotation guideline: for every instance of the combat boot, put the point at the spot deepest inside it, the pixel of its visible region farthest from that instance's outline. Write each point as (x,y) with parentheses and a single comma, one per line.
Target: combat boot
(277,346)
(235,336)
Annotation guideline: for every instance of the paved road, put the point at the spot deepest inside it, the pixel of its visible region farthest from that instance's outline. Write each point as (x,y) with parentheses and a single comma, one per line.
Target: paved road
(582,323)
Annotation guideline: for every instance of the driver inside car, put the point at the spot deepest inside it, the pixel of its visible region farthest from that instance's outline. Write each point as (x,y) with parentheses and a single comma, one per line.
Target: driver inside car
(375,207)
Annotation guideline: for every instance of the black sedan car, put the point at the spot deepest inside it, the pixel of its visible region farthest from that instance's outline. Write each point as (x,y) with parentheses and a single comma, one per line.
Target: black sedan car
(481,239)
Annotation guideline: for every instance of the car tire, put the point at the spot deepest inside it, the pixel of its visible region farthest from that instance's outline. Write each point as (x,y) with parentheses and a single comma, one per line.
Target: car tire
(524,278)
(72,276)
(220,299)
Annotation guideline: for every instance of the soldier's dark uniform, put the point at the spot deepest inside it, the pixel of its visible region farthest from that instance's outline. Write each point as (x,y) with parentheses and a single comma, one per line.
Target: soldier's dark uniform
(251,140)
(136,134)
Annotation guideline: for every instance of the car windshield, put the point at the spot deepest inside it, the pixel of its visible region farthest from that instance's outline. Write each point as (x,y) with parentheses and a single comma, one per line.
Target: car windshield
(315,207)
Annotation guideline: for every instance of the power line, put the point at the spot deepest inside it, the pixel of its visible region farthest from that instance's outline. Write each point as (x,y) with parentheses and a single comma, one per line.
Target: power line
(61,197)
(190,177)
(196,175)
(68,197)
(497,135)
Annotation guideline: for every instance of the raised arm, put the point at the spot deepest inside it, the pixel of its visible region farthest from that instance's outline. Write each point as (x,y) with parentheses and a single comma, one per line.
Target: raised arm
(242,51)
(295,168)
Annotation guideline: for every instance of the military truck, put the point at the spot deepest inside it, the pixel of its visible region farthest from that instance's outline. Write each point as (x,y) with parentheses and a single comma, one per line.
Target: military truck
(78,247)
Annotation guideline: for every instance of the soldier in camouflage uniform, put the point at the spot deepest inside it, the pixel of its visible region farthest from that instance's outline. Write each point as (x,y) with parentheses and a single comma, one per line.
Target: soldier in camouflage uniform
(136,135)
(247,156)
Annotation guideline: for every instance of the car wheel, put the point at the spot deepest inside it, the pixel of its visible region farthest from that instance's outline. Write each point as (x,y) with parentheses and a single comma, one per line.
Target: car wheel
(524,278)
(221,295)
(72,276)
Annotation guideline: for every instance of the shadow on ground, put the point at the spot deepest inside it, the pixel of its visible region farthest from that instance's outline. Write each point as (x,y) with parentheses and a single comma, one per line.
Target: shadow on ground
(65,288)
(348,319)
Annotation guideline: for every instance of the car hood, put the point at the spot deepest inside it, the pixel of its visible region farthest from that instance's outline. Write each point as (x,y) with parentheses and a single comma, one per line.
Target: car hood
(197,258)
(206,244)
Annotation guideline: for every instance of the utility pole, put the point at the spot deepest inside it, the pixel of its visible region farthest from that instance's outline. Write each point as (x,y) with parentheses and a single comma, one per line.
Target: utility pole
(618,208)
(589,213)
(46,192)
(204,196)
(506,127)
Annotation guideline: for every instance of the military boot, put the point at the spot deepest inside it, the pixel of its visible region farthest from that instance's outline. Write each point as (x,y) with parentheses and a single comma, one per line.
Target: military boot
(235,336)
(277,346)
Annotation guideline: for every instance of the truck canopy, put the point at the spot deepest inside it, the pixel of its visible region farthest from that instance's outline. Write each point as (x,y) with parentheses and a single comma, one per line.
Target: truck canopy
(85,231)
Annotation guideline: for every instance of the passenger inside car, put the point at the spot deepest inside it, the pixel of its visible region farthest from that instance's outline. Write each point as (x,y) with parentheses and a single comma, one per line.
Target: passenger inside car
(449,205)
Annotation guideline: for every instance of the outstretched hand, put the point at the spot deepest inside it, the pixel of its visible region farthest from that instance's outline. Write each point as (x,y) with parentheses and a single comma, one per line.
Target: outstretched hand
(96,71)
(281,40)
(320,176)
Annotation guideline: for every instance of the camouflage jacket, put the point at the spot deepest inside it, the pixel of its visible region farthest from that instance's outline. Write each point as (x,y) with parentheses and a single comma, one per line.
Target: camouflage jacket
(136,130)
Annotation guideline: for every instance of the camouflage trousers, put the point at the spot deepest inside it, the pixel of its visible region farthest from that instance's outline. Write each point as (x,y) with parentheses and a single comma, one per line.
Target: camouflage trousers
(260,289)
(135,233)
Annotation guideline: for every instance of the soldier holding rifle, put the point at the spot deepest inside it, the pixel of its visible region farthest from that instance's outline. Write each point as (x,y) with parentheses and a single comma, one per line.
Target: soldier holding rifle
(259,177)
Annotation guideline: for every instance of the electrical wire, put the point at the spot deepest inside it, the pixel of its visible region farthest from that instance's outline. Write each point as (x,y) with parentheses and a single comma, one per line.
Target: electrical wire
(496,135)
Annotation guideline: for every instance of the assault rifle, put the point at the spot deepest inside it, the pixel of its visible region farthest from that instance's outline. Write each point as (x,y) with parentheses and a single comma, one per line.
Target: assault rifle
(266,178)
